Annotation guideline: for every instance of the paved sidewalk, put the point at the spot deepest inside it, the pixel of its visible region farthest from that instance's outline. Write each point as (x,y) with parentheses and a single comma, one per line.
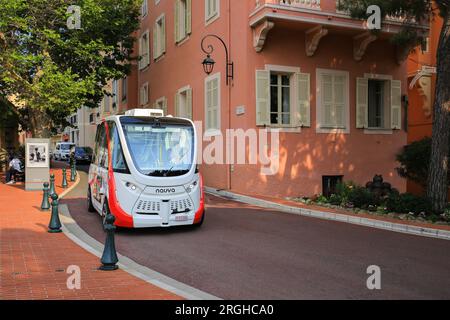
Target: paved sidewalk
(33,262)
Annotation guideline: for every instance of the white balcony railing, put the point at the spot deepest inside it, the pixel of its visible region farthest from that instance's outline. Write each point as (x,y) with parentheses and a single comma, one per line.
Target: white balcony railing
(310,4)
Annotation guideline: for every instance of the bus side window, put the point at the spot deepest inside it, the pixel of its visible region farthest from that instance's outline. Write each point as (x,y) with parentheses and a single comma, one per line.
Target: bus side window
(103,152)
(118,160)
(95,155)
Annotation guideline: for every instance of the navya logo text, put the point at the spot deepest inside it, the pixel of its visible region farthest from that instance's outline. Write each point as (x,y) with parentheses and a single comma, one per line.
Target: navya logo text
(165,191)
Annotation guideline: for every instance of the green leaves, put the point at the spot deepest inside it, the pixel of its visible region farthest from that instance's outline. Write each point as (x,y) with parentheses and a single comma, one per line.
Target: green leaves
(50,68)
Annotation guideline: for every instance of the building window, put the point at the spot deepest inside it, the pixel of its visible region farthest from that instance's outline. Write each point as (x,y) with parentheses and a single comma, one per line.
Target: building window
(144,50)
(144,8)
(329,184)
(124,88)
(92,118)
(212,10)
(378,102)
(332,101)
(159,37)
(143,94)
(280,99)
(115,94)
(183,23)
(212,102)
(183,103)
(161,104)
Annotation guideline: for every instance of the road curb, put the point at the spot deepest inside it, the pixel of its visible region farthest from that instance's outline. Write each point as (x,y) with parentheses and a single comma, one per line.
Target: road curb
(75,233)
(366,222)
(75,184)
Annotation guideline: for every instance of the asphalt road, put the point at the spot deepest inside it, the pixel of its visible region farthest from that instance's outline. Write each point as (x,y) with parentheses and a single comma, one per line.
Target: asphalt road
(244,252)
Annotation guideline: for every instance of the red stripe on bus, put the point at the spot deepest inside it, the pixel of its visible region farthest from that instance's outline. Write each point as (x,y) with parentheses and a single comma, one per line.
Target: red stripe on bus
(123,219)
(201,210)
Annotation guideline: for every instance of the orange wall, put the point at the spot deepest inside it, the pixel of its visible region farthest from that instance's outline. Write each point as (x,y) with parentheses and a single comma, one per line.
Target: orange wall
(420,119)
(305,156)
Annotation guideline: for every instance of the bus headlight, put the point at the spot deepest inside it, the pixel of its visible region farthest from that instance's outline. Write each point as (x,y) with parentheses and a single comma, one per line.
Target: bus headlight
(131,186)
(191,187)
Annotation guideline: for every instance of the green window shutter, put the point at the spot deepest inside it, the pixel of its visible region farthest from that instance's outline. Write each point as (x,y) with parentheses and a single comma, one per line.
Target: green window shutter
(302,115)
(362,103)
(163,35)
(141,60)
(155,42)
(328,116)
(177,21)
(188,16)
(177,105)
(262,97)
(396,104)
(189,110)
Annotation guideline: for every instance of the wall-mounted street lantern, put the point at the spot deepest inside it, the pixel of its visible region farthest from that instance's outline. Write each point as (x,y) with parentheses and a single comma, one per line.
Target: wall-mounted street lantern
(208,62)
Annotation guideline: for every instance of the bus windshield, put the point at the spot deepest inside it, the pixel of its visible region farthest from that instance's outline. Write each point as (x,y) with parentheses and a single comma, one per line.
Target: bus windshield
(160,149)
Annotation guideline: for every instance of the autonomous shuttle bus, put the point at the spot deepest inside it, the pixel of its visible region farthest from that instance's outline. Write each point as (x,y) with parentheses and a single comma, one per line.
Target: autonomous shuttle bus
(144,171)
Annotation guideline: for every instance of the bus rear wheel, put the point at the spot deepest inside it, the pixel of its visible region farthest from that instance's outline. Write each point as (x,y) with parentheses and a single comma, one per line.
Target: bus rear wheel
(89,201)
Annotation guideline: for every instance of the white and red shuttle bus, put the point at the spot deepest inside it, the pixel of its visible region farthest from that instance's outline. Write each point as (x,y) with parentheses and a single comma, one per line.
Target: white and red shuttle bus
(144,171)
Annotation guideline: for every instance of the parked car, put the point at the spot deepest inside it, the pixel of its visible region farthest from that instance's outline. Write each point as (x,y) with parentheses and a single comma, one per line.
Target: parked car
(83,155)
(62,150)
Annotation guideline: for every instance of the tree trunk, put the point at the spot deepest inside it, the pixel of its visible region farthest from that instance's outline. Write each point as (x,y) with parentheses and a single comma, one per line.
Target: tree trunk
(437,190)
(40,124)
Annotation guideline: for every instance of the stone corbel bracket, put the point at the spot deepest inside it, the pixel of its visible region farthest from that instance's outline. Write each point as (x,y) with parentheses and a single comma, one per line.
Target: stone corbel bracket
(260,34)
(312,39)
(360,44)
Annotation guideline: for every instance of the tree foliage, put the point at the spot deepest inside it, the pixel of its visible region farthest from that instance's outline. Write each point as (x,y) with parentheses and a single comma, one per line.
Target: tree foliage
(50,70)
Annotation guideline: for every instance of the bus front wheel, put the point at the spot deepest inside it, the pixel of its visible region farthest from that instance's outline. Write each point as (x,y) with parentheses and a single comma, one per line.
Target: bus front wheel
(89,201)
(199,224)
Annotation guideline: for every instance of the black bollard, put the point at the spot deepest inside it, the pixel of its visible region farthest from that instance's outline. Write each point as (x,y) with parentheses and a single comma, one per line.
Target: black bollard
(64,181)
(109,258)
(45,205)
(52,185)
(72,173)
(55,224)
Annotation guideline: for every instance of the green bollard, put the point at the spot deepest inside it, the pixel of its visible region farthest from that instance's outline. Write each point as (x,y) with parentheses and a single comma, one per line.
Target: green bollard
(72,173)
(52,185)
(55,224)
(45,205)
(64,181)
(109,257)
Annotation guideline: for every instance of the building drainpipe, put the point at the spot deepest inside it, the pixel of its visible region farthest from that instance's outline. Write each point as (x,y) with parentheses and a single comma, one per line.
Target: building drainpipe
(229,165)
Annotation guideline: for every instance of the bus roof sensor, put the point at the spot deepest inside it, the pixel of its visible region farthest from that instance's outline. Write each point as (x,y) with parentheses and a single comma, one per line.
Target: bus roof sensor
(145,113)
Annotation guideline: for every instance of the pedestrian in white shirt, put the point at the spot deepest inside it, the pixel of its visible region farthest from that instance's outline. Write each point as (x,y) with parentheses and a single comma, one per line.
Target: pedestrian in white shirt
(14,168)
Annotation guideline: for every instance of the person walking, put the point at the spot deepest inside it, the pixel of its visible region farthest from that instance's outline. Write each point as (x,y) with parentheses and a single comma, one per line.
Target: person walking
(14,169)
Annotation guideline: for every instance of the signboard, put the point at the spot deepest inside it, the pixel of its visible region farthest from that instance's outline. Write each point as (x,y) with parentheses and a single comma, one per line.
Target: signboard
(37,155)
(37,163)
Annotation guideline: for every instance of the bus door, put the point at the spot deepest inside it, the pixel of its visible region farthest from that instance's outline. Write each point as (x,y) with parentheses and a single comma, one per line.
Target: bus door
(100,172)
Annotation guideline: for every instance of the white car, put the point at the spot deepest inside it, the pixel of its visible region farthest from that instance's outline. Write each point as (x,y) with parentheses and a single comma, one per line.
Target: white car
(62,150)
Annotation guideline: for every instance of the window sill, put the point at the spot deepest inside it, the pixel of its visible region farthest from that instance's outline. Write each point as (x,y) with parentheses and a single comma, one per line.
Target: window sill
(325,130)
(160,57)
(212,133)
(378,131)
(211,19)
(183,40)
(143,69)
(282,129)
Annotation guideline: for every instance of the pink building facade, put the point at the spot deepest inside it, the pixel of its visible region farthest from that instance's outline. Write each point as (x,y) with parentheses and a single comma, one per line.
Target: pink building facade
(331,89)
